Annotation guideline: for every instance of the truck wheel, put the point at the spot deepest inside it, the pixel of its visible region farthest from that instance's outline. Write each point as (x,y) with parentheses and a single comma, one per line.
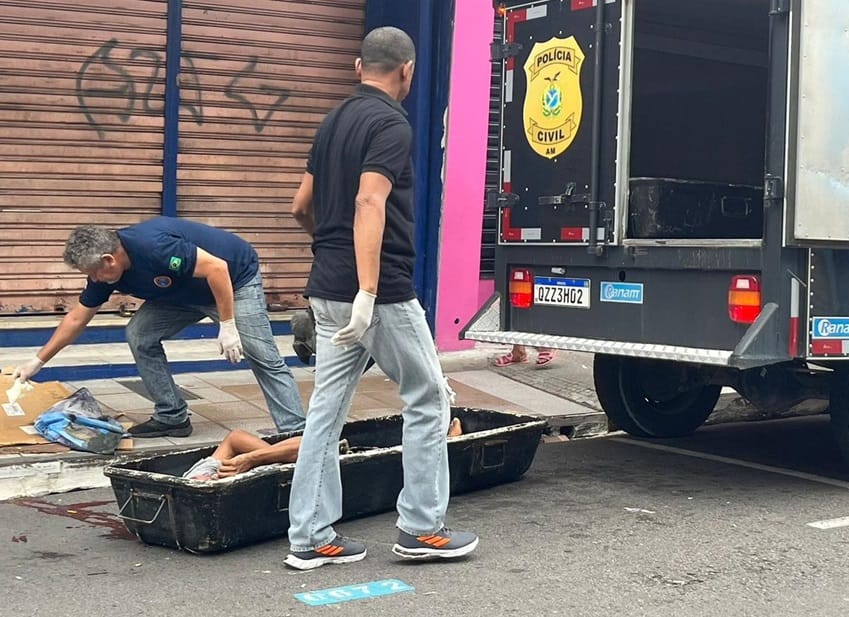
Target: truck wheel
(652,398)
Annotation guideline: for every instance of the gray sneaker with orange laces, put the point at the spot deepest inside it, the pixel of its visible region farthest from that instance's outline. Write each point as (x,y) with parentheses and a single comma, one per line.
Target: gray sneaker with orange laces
(339,550)
(444,544)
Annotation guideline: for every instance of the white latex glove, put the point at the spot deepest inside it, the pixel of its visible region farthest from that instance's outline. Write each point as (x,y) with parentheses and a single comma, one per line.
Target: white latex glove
(229,342)
(18,389)
(361,313)
(28,369)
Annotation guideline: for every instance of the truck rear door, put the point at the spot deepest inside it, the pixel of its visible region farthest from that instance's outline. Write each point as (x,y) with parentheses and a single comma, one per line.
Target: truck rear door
(818,183)
(817,191)
(560,117)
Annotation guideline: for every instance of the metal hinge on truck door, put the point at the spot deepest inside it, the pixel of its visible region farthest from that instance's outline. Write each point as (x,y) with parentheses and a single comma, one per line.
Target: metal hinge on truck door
(499,51)
(496,199)
(779,7)
(599,212)
(773,189)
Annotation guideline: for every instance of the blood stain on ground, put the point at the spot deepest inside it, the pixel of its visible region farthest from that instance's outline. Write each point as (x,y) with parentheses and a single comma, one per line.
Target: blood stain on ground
(83,512)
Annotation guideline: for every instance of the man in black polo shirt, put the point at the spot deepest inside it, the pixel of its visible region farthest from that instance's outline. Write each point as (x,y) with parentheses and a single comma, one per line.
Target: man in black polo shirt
(356,201)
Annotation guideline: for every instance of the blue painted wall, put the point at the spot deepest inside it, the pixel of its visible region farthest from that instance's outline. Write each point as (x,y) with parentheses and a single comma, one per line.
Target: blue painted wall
(429,24)
(171,139)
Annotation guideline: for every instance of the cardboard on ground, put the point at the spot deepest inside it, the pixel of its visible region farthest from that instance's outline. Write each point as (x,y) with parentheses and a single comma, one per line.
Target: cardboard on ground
(16,419)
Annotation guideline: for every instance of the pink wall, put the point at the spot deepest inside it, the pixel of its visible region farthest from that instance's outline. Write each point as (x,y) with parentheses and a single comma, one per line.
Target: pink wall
(485,290)
(465,170)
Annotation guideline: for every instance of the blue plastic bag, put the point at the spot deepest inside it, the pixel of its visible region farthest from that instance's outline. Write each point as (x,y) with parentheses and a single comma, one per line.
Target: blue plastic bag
(78,423)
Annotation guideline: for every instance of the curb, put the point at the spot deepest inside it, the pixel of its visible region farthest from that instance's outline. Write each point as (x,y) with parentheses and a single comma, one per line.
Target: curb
(60,473)
(33,479)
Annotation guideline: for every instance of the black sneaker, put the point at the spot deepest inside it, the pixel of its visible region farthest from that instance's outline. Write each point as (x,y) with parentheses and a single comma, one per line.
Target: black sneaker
(445,544)
(155,428)
(340,550)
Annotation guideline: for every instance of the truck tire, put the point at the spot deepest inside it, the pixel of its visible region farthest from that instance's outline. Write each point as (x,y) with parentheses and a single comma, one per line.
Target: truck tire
(652,398)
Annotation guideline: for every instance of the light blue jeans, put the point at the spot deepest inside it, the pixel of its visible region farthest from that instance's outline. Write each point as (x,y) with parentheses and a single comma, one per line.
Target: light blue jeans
(401,344)
(158,321)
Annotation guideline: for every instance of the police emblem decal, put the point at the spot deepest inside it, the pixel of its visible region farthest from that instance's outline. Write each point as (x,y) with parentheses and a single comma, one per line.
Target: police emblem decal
(553,99)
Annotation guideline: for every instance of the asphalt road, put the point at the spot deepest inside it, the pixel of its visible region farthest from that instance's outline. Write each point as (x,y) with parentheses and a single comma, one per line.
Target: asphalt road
(715,524)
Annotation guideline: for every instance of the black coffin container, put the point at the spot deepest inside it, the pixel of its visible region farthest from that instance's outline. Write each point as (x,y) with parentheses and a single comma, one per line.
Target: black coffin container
(164,509)
(666,208)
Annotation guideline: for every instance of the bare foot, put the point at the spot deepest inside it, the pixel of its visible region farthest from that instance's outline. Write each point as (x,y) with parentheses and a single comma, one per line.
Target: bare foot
(455,429)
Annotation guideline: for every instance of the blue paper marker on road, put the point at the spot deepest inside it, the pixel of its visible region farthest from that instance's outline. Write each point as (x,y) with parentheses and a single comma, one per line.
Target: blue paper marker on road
(335,595)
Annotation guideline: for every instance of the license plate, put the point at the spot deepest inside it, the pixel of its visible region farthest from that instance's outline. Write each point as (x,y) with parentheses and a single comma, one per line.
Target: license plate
(571,293)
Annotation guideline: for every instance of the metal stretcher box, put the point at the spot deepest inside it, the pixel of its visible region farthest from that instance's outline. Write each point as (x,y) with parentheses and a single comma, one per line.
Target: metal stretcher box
(162,508)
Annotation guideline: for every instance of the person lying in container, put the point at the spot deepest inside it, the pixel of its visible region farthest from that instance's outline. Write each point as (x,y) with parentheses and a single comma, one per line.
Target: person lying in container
(241,451)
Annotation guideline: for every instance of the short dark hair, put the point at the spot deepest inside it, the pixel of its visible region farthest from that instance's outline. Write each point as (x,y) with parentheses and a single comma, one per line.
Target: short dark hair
(87,244)
(385,49)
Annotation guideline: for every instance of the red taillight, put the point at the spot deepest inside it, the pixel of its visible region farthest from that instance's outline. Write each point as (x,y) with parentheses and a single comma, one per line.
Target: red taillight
(744,298)
(521,288)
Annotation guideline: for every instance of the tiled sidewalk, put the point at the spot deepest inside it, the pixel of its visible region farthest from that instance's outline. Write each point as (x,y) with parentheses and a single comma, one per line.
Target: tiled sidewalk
(224,401)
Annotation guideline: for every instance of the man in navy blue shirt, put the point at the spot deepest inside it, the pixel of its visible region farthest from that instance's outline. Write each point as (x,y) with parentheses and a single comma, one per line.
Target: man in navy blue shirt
(356,201)
(184,271)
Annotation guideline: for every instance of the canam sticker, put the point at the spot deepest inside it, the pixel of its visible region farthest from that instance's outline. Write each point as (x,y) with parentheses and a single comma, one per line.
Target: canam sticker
(553,99)
(624,293)
(830,327)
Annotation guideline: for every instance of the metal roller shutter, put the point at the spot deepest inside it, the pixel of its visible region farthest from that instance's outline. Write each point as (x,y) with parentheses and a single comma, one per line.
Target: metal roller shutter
(493,150)
(81,130)
(256,80)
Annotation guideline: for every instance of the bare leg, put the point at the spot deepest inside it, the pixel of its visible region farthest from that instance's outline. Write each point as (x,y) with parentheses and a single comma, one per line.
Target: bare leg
(241,451)
(241,442)
(285,451)
(231,456)
(238,442)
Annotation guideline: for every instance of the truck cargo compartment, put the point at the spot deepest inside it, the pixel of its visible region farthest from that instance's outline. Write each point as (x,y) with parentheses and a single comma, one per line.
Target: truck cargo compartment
(698,119)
